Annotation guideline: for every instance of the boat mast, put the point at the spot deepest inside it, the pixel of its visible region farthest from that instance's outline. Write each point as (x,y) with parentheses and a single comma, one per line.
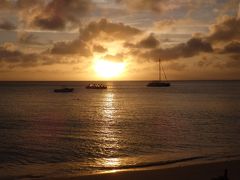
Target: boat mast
(159,70)
(164,73)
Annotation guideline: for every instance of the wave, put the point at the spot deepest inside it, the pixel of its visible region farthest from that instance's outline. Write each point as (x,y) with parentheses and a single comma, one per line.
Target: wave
(152,164)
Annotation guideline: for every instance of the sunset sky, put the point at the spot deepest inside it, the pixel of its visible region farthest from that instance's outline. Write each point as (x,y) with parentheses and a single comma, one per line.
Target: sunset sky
(119,39)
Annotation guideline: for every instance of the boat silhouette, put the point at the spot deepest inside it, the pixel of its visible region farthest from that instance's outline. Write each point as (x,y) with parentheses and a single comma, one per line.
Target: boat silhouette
(96,86)
(64,90)
(159,82)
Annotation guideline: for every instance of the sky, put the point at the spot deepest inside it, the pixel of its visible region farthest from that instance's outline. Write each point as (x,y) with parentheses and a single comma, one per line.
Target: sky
(60,40)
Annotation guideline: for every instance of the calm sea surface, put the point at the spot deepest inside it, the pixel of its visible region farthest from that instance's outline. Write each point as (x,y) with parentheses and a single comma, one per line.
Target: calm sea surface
(47,134)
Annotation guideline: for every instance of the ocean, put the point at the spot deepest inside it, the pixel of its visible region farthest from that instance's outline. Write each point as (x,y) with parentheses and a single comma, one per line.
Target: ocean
(127,126)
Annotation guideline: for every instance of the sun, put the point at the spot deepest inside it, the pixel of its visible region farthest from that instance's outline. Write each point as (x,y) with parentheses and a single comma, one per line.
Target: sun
(108,69)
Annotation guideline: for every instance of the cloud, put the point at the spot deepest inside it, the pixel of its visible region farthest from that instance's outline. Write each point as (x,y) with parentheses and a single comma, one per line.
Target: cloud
(98,48)
(15,57)
(91,32)
(75,47)
(10,57)
(103,27)
(227,29)
(115,58)
(7,25)
(51,22)
(50,14)
(233,47)
(148,42)
(191,48)
(59,14)
(159,6)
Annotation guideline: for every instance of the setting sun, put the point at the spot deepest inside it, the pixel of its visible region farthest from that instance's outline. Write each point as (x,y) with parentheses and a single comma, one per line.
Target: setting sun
(109,69)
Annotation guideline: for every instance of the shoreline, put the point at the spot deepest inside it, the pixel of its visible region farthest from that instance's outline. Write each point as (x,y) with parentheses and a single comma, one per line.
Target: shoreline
(204,171)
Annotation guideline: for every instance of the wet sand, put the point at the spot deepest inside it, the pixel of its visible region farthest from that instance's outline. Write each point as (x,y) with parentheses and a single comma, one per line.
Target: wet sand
(190,172)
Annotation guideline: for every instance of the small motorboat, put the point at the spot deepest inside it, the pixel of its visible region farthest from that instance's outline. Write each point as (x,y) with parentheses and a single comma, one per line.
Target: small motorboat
(96,86)
(64,90)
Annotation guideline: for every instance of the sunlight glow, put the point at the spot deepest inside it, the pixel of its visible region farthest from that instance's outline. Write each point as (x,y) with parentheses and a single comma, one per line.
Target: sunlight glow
(108,69)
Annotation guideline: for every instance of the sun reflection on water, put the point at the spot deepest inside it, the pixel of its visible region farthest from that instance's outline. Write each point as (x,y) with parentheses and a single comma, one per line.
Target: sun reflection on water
(108,132)
(111,162)
(108,106)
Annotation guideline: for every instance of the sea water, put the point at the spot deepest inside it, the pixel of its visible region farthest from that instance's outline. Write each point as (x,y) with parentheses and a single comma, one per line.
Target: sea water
(127,126)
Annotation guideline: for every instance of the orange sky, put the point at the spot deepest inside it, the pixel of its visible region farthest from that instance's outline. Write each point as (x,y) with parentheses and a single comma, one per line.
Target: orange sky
(119,39)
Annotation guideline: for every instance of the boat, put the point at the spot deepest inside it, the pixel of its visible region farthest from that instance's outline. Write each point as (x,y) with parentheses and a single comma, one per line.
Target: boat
(64,90)
(96,86)
(160,82)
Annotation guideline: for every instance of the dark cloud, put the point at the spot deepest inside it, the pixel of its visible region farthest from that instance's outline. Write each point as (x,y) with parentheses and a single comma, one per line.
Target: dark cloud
(227,29)
(49,15)
(58,14)
(93,30)
(12,58)
(52,22)
(75,47)
(196,45)
(233,47)
(15,57)
(191,48)
(148,42)
(7,25)
(109,29)
(98,48)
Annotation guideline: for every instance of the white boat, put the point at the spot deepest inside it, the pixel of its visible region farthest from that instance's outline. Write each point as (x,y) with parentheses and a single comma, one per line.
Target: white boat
(96,86)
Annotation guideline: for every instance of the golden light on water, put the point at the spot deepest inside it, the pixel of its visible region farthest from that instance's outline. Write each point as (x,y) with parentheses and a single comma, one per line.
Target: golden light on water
(108,69)
(107,132)
(111,162)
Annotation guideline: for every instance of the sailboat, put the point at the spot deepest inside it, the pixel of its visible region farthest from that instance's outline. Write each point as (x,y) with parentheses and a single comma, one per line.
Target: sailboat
(159,83)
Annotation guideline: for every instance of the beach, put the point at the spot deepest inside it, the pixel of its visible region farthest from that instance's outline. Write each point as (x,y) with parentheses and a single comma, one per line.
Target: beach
(206,171)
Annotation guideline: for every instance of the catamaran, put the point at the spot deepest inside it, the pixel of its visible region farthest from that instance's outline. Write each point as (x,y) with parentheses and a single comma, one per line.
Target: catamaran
(159,82)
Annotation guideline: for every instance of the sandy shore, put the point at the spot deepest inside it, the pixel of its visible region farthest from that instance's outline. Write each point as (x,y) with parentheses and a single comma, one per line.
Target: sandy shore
(191,172)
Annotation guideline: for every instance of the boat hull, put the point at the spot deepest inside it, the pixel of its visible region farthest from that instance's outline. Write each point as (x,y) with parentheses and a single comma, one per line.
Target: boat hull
(158,84)
(65,90)
(96,86)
